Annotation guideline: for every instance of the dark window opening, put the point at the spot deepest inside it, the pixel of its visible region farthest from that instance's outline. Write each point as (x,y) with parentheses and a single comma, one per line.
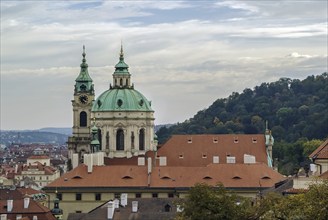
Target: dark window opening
(120,139)
(83,119)
(155,195)
(127,82)
(83,87)
(117,196)
(167,208)
(142,139)
(98,196)
(170,195)
(121,82)
(78,196)
(59,196)
(138,195)
(99,137)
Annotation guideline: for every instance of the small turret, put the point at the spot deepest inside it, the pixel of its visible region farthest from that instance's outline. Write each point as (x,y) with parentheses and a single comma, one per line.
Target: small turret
(56,211)
(84,81)
(269,140)
(95,144)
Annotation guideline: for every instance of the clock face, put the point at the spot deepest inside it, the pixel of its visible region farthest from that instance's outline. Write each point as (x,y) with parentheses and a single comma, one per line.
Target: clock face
(83,99)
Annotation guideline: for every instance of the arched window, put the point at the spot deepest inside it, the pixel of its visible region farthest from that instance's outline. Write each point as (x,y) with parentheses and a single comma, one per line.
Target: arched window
(167,208)
(121,82)
(142,139)
(120,139)
(99,137)
(83,119)
(126,82)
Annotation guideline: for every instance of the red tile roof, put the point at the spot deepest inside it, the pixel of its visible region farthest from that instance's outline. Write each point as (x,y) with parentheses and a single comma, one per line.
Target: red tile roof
(231,175)
(34,208)
(227,144)
(38,157)
(321,152)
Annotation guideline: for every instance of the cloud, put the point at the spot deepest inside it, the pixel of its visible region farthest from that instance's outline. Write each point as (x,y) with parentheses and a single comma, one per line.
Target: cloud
(182,55)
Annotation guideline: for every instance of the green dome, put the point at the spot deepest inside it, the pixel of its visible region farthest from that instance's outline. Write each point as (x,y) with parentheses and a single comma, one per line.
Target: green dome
(127,99)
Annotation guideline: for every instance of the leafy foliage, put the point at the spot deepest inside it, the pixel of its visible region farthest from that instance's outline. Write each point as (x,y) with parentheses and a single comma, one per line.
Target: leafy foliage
(296,110)
(206,202)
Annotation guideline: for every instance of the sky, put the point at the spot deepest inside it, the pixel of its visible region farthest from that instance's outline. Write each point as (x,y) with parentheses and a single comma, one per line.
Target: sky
(183,55)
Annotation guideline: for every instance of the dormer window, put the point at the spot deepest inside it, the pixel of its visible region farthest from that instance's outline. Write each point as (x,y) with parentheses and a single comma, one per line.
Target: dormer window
(236,177)
(215,140)
(189,140)
(204,155)
(180,156)
(127,177)
(235,140)
(207,178)
(254,140)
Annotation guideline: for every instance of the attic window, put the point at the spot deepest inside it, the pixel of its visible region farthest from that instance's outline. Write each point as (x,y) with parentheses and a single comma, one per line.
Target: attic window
(236,177)
(127,177)
(254,140)
(165,178)
(207,178)
(180,156)
(77,177)
(204,155)
(265,178)
(235,140)
(215,140)
(189,140)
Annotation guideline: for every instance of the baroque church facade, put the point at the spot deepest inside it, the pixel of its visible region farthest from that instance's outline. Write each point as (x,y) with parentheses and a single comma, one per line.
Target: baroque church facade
(119,123)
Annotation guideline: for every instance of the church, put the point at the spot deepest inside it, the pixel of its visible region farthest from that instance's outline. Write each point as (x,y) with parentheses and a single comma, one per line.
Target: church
(121,115)
(114,152)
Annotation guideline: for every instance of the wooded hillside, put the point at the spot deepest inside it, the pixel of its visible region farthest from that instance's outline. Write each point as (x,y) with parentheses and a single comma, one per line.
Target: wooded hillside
(296,110)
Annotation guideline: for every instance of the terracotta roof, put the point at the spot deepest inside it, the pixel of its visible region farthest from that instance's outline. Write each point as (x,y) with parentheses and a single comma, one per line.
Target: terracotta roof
(38,166)
(38,157)
(28,191)
(198,150)
(321,152)
(324,175)
(108,176)
(231,175)
(34,208)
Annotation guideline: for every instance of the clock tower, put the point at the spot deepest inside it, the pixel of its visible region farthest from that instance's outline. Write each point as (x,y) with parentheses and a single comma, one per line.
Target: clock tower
(79,142)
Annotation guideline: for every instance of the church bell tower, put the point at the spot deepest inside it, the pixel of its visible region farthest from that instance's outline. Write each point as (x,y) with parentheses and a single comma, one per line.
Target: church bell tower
(84,95)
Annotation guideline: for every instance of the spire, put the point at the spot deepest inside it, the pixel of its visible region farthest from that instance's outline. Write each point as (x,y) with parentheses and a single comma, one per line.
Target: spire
(121,53)
(84,81)
(121,76)
(84,64)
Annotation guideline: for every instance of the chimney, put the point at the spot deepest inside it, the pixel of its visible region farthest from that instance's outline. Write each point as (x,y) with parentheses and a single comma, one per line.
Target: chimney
(10,204)
(134,206)
(89,161)
(26,202)
(149,165)
(75,160)
(124,199)
(116,203)
(110,210)
(3,217)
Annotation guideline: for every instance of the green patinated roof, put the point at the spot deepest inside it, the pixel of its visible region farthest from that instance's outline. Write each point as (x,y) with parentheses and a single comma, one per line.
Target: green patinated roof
(83,80)
(121,67)
(126,99)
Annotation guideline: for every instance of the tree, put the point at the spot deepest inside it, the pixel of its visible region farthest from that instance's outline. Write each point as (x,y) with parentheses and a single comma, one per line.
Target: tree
(310,146)
(208,202)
